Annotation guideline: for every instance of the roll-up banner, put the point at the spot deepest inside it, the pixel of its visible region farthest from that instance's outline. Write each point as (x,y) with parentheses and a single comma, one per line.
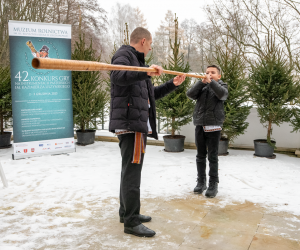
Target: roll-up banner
(41,99)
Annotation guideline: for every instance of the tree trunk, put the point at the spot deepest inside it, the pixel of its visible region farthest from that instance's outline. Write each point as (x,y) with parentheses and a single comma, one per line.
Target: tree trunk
(68,12)
(82,127)
(173,130)
(269,130)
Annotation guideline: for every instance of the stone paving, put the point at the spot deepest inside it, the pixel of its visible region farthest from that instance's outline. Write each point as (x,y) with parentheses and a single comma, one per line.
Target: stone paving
(195,222)
(200,223)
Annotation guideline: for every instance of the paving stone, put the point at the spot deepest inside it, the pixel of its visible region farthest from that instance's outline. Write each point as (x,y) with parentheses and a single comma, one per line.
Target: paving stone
(281,214)
(246,207)
(188,210)
(187,248)
(149,205)
(280,226)
(195,222)
(214,238)
(233,219)
(169,235)
(171,232)
(267,242)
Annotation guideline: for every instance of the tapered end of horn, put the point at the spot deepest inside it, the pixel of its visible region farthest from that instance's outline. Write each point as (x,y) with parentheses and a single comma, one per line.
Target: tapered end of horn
(35,63)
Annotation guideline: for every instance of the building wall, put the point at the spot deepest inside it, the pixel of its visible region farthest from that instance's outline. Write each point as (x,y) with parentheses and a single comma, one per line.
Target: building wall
(282,134)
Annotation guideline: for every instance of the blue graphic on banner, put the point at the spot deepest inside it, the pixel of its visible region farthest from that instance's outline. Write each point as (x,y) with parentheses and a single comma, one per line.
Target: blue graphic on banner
(42,99)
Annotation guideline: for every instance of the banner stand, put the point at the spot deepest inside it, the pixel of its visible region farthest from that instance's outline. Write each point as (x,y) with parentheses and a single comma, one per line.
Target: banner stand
(41,99)
(3,178)
(65,152)
(40,148)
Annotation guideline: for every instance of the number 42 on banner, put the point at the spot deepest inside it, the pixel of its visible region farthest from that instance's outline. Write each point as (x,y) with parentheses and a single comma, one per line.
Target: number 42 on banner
(18,76)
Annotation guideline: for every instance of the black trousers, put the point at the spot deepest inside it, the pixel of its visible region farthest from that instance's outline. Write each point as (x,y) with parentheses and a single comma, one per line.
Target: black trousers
(130,182)
(207,142)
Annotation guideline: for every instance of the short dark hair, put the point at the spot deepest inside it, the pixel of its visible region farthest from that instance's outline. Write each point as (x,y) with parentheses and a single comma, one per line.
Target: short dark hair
(138,34)
(214,66)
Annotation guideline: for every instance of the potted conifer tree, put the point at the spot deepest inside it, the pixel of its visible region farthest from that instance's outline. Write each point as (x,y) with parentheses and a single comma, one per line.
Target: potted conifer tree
(296,117)
(175,107)
(272,88)
(236,108)
(89,94)
(296,110)
(5,105)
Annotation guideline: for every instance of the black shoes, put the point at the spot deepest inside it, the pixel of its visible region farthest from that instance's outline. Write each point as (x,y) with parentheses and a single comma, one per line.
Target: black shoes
(140,231)
(212,189)
(201,185)
(143,218)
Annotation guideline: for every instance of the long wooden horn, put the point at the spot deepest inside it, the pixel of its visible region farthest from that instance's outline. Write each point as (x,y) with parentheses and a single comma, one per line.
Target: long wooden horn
(73,65)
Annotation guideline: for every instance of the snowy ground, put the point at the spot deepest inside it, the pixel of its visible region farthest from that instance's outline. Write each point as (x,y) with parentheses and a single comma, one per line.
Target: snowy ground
(91,176)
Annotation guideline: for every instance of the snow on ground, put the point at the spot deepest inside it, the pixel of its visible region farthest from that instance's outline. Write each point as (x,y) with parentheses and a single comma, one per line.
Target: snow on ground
(92,175)
(93,172)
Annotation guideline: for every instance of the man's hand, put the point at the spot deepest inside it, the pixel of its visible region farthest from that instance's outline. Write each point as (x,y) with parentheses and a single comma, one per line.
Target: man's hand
(206,79)
(178,80)
(158,69)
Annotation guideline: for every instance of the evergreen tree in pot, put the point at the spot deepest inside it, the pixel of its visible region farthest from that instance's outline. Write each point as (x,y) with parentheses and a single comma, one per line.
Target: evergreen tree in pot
(175,107)
(89,94)
(296,111)
(296,117)
(5,105)
(236,106)
(272,88)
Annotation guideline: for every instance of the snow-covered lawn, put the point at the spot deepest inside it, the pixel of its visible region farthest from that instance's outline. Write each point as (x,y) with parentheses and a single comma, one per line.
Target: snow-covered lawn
(92,174)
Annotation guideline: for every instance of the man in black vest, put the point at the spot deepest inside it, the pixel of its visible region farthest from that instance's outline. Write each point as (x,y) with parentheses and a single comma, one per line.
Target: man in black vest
(133,118)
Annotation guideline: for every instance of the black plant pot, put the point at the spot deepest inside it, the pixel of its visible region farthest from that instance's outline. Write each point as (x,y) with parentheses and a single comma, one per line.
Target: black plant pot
(5,139)
(263,149)
(174,143)
(223,147)
(85,137)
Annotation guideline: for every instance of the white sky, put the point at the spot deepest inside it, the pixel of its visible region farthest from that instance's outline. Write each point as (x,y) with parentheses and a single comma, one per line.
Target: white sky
(155,10)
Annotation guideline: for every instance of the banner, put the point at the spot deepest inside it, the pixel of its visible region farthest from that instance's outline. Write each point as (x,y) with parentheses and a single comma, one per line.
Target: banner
(41,99)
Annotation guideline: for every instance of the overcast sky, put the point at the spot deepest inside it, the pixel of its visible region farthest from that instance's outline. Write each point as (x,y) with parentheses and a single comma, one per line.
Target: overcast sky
(155,10)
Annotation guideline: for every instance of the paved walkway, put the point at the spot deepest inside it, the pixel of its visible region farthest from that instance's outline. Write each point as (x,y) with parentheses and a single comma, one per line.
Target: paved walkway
(197,223)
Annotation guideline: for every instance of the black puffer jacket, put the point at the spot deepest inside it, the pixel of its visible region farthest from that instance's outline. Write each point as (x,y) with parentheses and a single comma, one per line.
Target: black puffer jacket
(130,92)
(209,109)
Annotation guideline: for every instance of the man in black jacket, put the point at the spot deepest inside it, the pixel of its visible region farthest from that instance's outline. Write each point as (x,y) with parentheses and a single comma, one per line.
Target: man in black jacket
(132,118)
(208,118)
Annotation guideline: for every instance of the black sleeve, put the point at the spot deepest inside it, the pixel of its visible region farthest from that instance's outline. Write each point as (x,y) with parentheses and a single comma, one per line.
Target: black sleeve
(220,89)
(164,89)
(123,77)
(194,92)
